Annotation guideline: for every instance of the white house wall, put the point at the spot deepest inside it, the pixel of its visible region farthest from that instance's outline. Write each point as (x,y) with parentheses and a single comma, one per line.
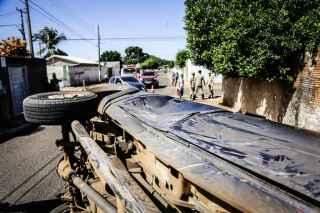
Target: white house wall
(192,68)
(81,73)
(58,69)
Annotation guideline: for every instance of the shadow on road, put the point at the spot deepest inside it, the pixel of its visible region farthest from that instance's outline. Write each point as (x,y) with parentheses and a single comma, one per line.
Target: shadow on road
(162,86)
(25,130)
(37,206)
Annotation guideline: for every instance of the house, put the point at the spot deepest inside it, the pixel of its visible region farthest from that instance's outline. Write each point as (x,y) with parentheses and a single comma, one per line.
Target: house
(19,78)
(73,71)
(112,68)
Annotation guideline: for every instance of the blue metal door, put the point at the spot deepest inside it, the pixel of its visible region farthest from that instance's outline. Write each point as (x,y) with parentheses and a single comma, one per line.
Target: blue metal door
(18,87)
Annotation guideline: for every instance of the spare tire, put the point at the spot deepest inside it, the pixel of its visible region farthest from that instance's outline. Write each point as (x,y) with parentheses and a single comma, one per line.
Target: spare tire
(54,108)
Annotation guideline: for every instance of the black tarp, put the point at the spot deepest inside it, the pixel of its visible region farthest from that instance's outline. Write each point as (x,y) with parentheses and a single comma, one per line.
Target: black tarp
(283,155)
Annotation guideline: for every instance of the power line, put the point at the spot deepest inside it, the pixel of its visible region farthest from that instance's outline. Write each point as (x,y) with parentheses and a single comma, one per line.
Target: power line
(8,13)
(8,25)
(56,20)
(34,6)
(62,6)
(131,38)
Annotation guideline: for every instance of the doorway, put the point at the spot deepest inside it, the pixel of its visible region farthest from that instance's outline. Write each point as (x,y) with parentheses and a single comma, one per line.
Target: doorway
(18,87)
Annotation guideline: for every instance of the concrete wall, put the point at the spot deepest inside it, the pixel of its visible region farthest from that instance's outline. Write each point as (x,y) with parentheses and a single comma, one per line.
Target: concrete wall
(114,65)
(267,99)
(299,107)
(80,73)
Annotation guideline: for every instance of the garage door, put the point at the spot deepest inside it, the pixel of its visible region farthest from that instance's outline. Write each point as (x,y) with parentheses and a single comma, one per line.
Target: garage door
(19,88)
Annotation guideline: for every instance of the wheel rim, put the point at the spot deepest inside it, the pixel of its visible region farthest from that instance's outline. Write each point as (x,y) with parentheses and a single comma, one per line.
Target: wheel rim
(62,95)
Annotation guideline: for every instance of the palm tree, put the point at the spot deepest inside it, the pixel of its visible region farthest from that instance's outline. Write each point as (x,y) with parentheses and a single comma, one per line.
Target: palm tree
(50,37)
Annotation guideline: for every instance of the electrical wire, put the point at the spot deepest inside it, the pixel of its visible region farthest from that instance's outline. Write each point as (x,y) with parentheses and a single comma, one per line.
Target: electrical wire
(34,6)
(9,13)
(8,25)
(151,38)
(55,18)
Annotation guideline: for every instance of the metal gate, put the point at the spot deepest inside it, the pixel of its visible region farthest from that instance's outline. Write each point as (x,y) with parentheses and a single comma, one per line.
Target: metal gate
(18,87)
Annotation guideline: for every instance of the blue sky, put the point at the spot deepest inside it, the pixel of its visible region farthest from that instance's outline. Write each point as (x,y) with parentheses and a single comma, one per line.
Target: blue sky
(117,18)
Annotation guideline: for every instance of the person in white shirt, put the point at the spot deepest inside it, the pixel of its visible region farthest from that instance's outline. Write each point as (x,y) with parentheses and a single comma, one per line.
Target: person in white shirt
(200,83)
(211,84)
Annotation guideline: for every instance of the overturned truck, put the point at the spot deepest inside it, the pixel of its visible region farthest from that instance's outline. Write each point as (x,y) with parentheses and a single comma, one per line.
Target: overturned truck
(142,152)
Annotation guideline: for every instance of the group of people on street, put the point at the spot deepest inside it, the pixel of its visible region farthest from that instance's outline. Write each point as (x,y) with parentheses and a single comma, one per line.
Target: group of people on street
(197,84)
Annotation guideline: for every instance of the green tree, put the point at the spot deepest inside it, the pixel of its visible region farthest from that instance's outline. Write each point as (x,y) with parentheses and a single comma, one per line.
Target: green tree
(151,63)
(170,64)
(181,58)
(50,37)
(134,55)
(110,56)
(255,38)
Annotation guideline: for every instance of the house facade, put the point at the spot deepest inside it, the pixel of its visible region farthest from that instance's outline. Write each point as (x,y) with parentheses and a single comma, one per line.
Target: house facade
(74,71)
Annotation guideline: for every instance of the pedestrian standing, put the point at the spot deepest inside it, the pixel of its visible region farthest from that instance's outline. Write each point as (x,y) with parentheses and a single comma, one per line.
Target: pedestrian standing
(193,86)
(177,78)
(200,83)
(180,88)
(211,84)
(106,79)
(173,78)
(54,83)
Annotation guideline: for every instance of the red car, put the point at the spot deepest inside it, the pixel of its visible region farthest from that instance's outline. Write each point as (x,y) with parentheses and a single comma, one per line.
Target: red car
(149,78)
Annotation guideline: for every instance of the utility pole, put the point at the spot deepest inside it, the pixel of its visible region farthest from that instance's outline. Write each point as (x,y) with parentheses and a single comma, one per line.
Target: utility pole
(29,28)
(22,31)
(99,65)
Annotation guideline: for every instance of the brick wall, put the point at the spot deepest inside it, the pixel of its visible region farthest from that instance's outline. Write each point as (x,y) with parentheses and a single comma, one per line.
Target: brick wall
(304,108)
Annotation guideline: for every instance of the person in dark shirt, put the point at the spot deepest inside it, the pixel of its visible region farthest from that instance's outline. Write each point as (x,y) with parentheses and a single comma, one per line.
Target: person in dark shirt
(54,83)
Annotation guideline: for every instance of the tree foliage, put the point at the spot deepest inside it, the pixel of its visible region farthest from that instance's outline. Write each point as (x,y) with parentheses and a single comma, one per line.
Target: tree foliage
(255,38)
(110,56)
(134,55)
(181,58)
(50,37)
(154,62)
(151,63)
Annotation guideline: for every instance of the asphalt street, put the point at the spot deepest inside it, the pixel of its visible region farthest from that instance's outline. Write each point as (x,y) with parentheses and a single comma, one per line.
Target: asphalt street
(28,181)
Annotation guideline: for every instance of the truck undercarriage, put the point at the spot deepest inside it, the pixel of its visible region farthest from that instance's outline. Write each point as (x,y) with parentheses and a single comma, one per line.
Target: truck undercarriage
(152,153)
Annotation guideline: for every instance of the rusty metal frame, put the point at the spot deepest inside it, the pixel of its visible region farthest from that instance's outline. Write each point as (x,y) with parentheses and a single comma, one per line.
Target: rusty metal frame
(107,173)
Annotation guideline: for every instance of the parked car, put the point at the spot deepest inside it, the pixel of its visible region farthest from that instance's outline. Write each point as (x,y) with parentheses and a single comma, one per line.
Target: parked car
(149,77)
(127,80)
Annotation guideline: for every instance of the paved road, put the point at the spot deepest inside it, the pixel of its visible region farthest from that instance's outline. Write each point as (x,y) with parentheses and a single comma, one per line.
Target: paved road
(28,181)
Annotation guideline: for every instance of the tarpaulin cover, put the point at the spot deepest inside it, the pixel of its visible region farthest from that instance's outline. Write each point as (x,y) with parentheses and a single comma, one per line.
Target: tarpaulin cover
(284,155)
